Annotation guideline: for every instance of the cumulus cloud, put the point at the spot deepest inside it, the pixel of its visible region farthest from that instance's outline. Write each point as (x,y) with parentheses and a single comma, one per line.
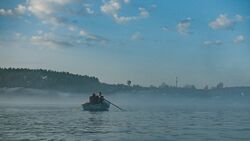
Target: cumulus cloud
(122,19)
(136,36)
(54,41)
(88,9)
(71,28)
(223,22)
(126,1)
(56,12)
(6,12)
(43,9)
(239,39)
(83,33)
(18,35)
(143,13)
(19,10)
(39,32)
(183,26)
(113,7)
(50,40)
(58,15)
(239,18)
(165,28)
(46,10)
(91,38)
(213,43)
(40,8)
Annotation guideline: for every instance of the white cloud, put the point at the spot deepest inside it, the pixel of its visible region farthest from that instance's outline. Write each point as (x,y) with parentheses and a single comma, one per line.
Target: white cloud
(71,28)
(40,8)
(83,33)
(18,35)
(143,13)
(19,10)
(47,10)
(223,22)
(88,9)
(57,14)
(239,39)
(213,43)
(90,38)
(50,40)
(136,36)
(239,18)
(53,41)
(165,28)
(59,1)
(127,1)
(123,19)
(183,26)
(4,12)
(39,32)
(113,7)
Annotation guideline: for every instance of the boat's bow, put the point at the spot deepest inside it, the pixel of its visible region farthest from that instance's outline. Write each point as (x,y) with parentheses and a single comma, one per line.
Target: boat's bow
(103,106)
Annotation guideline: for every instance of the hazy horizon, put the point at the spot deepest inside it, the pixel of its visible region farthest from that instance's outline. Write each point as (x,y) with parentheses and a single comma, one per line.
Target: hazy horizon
(147,42)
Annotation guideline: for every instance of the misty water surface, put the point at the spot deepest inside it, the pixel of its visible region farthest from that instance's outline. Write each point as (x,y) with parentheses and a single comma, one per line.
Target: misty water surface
(147,117)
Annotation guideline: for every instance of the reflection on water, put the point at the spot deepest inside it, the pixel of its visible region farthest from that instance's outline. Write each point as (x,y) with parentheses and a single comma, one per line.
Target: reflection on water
(158,123)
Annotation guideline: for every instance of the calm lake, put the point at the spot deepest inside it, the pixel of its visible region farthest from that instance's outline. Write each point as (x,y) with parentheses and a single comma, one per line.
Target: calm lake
(173,123)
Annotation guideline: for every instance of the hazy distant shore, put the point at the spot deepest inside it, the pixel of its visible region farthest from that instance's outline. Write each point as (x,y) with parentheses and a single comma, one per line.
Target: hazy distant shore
(67,83)
(226,96)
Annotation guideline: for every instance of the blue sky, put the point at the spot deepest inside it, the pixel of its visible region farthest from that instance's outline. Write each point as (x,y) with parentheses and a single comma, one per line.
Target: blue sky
(145,41)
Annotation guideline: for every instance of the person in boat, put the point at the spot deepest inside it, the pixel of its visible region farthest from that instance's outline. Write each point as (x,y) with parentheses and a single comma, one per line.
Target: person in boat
(97,99)
(92,98)
(101,97)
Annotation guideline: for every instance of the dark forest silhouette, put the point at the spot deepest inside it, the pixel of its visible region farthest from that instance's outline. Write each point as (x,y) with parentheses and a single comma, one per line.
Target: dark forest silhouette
(68,82)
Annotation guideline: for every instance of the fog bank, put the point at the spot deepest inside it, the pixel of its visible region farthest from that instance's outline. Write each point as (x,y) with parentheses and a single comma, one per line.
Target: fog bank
(138,99)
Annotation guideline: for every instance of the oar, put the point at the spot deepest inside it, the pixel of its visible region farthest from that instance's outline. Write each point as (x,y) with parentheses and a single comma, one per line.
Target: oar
(114,105)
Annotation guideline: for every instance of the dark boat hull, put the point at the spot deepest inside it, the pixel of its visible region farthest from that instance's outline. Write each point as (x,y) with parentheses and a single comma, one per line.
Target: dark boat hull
(104,106)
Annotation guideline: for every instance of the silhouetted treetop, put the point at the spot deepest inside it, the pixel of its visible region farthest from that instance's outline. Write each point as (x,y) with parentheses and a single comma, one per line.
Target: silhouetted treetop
(46,79)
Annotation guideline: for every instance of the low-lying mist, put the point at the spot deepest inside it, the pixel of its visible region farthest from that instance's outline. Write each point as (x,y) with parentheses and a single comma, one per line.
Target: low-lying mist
(181,100)
(26,96)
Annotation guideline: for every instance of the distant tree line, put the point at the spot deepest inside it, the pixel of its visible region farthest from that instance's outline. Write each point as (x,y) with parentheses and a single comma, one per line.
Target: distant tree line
(47,79)
(60,81)
(68,82)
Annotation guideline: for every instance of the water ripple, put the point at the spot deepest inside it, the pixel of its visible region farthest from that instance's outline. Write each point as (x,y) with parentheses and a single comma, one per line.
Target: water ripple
(175,123)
